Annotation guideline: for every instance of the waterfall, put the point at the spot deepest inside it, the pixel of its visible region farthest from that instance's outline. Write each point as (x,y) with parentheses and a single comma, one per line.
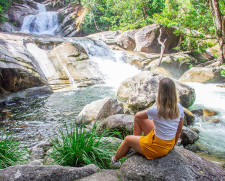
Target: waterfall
(112,66)
(209,96)
(42,23)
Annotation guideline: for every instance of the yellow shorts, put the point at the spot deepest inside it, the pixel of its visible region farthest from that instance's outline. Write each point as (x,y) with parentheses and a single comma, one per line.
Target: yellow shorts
(154,147)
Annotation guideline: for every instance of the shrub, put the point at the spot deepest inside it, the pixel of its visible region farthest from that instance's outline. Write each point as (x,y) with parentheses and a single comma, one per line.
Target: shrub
(10,152)
(75,146)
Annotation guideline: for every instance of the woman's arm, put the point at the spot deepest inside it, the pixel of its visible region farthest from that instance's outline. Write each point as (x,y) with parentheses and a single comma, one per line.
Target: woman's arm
(179,129)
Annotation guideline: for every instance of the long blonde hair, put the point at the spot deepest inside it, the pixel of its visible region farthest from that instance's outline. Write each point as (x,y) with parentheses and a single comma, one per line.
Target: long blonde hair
(166,100)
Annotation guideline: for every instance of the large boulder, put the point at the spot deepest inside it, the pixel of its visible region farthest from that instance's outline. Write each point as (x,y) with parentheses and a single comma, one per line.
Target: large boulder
(98,110)
(126,40)
(50,173)
(146,39)
(140,91)
(202,75)
(120,122)
(179,164)
(19,70)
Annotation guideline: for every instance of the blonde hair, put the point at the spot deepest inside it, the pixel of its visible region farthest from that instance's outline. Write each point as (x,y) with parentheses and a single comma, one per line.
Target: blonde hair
(166,100)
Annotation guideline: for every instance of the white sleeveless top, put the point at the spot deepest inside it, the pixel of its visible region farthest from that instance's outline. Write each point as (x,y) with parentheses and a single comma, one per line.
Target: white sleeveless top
(165,129)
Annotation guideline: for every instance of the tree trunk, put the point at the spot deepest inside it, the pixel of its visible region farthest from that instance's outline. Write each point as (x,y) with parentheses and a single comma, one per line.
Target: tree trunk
(217,17)
(162,43)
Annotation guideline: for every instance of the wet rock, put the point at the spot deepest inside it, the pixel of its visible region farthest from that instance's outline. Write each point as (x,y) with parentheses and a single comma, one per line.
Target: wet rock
(162,71)
(195,130)
(189,116)
(109,175)
(188,136)
(204,112)
(179,164)
(140,91)
(99,110)
(192,147)
(213,120)
(50,173)
(202,75)
(17,12)
(120,122)
(146,39)
(198,112)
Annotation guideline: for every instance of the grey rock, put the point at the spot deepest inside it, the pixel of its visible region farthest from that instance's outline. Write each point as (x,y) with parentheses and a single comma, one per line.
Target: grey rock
(103,175)
(119,122)
(146,39)
(179,164)
(188,136)
(99,110)
(140,91)
(50,173)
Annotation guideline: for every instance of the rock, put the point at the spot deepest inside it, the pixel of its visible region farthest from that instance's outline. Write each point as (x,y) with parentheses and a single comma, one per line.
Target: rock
(146,39)
(109,175)
(189,116)
(17,12)
(120,122)
(35,162)
(8,27)
(68,17)
(192,147)
(99,110)
(109,37)
(176,64)
(198,112)
(202,75)
(18,68)
(195,130)
(213,120)
(50,173)
(140,91)
(188,136)
(162,71)
(179,164)
(204,112)
(112,140)
(39,150)
(126,40)
(209,113)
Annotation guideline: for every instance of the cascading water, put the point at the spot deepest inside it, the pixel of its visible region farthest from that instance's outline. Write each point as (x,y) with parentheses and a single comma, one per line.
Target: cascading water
(212,136)
(42,23)
(111,64)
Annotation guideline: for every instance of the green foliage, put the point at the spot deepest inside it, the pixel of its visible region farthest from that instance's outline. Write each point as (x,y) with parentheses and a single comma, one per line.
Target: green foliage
(188,16)
(119,14)
(4,6)
(223,71)
(10,152)
(77,147)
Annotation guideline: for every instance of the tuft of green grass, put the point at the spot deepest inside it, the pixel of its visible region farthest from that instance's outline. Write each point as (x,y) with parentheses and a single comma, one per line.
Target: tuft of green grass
(75,146)
(10,151)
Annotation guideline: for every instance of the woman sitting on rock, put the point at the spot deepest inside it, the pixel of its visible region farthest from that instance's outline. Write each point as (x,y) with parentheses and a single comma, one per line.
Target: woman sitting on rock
(161,125)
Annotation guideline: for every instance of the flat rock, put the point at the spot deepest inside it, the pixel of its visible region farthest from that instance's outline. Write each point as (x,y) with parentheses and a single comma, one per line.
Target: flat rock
(50,172)
(179,164)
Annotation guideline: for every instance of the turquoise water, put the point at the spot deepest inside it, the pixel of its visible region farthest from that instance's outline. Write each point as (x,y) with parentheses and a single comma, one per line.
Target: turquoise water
(37,118)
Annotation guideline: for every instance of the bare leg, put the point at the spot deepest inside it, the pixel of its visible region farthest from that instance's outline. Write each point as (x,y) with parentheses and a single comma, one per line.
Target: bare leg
(129,142)
(142,124)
